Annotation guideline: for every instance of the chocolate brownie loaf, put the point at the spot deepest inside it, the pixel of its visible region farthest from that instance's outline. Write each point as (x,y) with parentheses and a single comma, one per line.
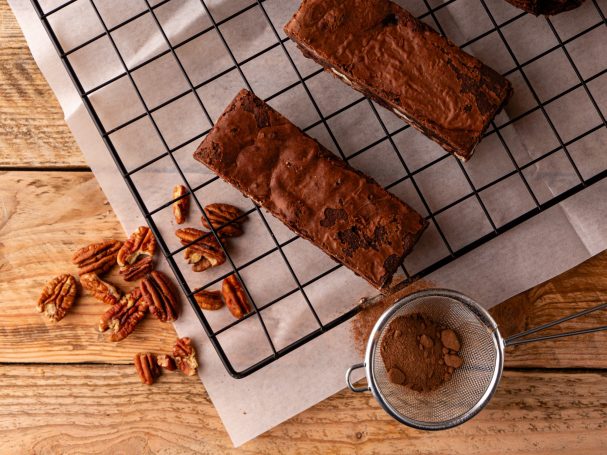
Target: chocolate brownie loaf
(319,196)
(546,7)
(380,49)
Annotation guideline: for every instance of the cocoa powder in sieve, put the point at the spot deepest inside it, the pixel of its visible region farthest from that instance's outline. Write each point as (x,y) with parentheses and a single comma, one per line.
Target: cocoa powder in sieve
(419,353)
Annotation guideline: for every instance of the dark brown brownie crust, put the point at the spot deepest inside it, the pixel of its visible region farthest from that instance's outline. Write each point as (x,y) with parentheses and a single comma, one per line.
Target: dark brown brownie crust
(546,7)
(380,49)
(319,196)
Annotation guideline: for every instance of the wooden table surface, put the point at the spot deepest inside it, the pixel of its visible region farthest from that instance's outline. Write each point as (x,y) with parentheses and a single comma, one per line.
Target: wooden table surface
(63,389)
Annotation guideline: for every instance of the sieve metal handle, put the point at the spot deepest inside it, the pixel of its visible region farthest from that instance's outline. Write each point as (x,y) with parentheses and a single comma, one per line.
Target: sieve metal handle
(519,337)
(351,386)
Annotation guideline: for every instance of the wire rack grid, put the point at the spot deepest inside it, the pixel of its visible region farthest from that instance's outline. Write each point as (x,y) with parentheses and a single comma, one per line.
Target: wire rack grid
(497,30)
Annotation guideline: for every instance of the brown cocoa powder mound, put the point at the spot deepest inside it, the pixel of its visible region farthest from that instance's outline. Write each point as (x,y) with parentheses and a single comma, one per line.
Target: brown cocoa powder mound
(365,320)
(414,354)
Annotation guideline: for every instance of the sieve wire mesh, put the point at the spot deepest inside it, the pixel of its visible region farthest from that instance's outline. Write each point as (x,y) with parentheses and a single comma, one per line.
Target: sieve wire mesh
(471,385)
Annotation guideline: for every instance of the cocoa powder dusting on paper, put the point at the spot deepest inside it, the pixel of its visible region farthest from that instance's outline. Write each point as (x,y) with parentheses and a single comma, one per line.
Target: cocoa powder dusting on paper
(365,320)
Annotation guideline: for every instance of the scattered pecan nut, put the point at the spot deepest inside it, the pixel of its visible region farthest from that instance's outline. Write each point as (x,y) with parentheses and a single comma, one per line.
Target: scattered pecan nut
(97,258)
(158,292)
(225,218)
(123,317)
(204,253)
(101,290)
(135,257)
(235,297)
(180,207)
(209,300)
(167,362)
(185,356)
(147,367)
(57,297)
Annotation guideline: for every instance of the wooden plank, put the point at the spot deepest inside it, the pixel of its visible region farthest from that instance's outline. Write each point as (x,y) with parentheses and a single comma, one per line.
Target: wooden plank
(94,408)
(32,129)
(44,218)
(584,286)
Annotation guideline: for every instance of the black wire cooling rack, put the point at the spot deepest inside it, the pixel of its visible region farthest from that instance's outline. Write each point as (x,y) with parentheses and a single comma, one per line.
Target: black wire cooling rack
(565,144)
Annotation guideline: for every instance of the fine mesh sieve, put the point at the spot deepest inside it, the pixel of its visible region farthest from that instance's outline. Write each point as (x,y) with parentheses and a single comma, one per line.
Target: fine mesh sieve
(471,386)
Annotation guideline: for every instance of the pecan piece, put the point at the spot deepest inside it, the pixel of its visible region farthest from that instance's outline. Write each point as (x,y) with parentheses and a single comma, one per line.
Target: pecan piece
(220,215)
(235,297)
(185,356)
(123,317)
(167,362)
(180,207)
(203,254)
(158,292)
(147,367)
(97,258)
(57,297)
(101,290)
(135,257)
(209,300)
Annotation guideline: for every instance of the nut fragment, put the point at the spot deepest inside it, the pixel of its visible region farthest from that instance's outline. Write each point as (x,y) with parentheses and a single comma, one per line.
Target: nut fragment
(180,208)
(97,258)
(123,317)
(220,215)
(147,368)
(158,292)
(101,290)
(135,257)
(209,300)
(185,356)
(203,254)
(235,297)
(167,362)
(57,297)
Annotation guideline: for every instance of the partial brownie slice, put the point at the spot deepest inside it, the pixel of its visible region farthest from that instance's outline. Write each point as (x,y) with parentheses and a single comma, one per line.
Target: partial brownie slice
(546,7)
(381,50)
(319,196)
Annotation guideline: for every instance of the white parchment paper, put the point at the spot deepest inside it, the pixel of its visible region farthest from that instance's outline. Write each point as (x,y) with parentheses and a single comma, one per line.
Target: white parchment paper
(535,251)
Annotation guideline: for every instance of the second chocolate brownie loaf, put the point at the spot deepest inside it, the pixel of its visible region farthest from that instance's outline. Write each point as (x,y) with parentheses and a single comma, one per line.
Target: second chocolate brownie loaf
(319,196)
(380,49)
(547,7)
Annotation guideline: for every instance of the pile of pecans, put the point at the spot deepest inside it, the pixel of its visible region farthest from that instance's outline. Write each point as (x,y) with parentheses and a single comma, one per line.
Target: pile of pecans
(154,293)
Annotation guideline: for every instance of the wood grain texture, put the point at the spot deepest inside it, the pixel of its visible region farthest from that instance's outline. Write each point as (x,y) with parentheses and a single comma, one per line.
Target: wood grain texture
(584,286)
(99,409)
(44,218)
(32,129)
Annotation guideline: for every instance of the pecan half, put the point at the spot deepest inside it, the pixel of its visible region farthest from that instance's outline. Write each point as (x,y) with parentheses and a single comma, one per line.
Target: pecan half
(147,368)
(180,207)
(101,290)
(158,292)
(135,258)
(209,300)
(123,317)
(137,270)
(57,297)
(203,254)
(97,258)
(185,356)
(235,297)
(167,362)
(220,215)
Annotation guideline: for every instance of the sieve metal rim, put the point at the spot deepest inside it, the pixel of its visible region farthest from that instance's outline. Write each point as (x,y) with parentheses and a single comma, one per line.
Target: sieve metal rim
(480,312)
